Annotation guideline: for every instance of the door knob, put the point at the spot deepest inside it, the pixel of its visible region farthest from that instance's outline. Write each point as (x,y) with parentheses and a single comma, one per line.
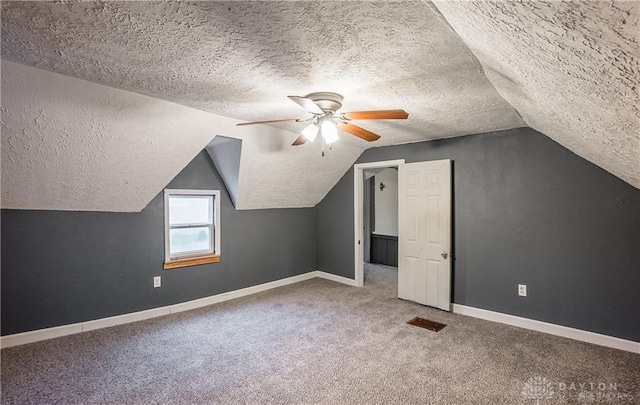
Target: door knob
(444,255)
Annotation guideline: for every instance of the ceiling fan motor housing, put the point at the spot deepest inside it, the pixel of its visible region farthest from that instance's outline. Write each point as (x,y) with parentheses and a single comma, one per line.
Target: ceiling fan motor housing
(327,101)
(323,106)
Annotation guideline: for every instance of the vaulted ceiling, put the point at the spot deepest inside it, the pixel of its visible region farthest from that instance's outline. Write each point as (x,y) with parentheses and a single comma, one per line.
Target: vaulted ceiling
(103,103)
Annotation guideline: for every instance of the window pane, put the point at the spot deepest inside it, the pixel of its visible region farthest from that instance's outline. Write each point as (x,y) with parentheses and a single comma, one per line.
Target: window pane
(185,240)
(190,210)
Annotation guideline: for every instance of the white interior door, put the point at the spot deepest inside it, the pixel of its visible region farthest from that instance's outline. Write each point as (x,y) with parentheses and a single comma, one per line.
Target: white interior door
(424,233)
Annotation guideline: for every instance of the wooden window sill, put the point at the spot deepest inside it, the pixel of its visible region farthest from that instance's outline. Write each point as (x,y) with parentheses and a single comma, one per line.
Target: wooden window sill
(191,261)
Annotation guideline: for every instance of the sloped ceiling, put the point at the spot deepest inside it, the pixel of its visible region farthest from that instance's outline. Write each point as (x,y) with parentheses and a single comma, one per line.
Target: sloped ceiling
(240,59)
(68,144)
(570,68)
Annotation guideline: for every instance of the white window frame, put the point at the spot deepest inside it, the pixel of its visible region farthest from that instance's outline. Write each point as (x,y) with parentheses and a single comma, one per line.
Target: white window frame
(216,222)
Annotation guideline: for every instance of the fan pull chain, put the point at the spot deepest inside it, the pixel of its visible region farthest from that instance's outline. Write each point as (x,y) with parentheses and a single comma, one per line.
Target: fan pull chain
(323,147)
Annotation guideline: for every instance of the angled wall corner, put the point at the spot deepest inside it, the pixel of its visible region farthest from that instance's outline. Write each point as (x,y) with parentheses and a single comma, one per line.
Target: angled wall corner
(225,153)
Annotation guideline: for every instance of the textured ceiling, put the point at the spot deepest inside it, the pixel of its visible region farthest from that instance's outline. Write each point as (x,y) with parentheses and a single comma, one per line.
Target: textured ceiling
(571,69)
(240,60)
(68,144)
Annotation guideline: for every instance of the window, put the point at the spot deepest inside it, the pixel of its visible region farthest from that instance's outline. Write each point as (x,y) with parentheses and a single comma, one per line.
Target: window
(191,227)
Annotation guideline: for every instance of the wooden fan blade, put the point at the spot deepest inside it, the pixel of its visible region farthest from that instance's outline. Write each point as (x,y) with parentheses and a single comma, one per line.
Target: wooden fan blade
(299,141)
(358,131)
(306,103)
(377,115)
(267,122)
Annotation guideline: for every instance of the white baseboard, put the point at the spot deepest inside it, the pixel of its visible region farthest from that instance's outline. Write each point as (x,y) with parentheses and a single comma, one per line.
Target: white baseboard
(553,329)
(338,279)
(125,318)
(550,328)
(58,331)
(40,334)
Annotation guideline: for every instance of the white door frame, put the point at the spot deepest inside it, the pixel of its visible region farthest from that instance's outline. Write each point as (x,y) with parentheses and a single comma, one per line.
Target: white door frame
(358,179)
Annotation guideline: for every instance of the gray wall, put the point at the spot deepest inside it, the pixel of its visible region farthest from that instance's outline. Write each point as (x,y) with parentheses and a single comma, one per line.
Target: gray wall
(525,210)
(65,267)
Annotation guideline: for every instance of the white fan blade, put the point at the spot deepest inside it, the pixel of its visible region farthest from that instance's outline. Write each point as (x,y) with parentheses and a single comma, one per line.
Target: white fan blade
(306,103)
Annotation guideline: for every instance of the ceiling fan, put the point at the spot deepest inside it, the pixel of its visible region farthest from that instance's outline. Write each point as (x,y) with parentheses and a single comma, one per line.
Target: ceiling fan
(325,120)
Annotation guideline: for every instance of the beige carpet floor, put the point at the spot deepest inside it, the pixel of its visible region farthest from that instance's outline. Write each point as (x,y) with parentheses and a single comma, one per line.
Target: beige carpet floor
(317,342)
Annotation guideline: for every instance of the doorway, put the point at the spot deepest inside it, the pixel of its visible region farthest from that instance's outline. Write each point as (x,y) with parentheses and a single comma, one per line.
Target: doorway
(424,229)
(381,216)
(359,211)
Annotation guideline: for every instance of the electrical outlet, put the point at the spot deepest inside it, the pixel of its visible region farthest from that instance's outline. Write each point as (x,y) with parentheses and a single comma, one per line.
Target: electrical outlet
(522,290)
(157,282)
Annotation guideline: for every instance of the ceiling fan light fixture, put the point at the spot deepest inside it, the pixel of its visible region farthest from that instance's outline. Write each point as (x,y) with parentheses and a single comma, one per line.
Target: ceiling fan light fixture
(323,107)
(329,131)
(310,132)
